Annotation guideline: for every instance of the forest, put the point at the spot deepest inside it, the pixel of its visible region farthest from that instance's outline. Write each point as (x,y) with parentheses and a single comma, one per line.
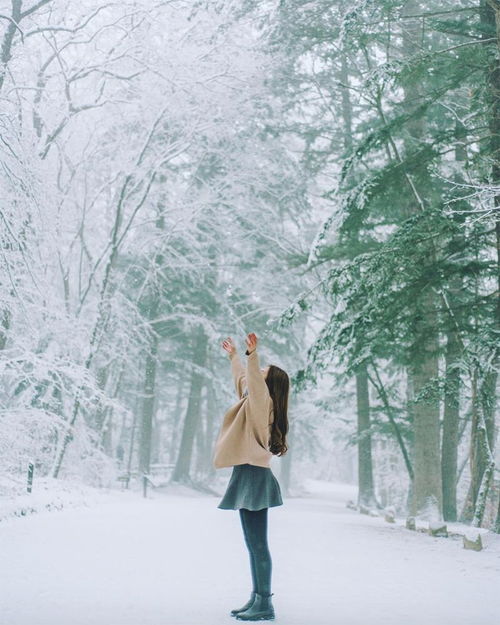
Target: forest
(323,173)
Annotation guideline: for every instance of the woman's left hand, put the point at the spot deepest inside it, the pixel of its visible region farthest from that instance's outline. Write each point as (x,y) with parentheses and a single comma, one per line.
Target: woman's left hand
(251,341)
(229,345)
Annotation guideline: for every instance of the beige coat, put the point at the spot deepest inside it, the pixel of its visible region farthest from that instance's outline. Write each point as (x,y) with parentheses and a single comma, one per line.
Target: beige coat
(246,428)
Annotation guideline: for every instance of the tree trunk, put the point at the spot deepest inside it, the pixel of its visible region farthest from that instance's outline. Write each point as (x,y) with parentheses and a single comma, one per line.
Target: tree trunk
(8,38)
(133,429)
(182,466)
(176,426)
(4,327)
(490,18)
(427,488)
(148,407)
(449,453)
(454,347)
(201,436)
(411,418)
(209,439)
(101,412)
(149,399)
(485,458)
(481,460)
(346,103)
(156,439)
(366,495)
(107,424)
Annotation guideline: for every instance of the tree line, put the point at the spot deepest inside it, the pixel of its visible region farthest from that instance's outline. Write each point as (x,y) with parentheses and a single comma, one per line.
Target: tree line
(323,173)
(402,116)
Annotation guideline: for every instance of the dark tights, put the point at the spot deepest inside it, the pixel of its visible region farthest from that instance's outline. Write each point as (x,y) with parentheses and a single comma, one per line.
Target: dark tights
(254,523)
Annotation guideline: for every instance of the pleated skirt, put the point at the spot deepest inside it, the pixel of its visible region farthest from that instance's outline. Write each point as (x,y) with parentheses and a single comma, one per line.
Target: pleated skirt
(251,487)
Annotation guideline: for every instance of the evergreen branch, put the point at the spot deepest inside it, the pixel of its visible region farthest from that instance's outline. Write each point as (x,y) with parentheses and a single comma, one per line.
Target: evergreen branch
(379,387)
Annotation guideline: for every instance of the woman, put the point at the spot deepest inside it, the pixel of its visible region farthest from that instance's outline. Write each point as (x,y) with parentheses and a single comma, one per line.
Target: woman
(252,431)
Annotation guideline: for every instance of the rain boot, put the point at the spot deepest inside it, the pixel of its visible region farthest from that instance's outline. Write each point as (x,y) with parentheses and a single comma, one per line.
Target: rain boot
(247,605)
(261,609)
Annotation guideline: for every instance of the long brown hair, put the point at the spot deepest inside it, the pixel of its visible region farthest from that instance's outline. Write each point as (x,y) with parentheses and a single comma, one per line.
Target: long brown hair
(278,384)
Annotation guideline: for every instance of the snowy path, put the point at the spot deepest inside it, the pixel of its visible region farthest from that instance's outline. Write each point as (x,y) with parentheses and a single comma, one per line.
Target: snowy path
(176,560)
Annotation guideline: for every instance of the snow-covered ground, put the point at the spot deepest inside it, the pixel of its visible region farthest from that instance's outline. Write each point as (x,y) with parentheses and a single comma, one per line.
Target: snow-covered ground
(176,559)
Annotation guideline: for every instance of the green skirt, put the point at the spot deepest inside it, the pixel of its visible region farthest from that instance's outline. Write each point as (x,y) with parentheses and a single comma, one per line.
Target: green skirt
(251,487)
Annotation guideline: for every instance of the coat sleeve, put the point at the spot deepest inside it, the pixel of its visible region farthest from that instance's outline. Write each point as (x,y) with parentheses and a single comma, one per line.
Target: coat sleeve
(239,374)
(259,398)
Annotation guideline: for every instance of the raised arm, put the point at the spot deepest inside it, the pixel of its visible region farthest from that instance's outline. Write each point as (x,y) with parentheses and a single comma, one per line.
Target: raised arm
(238,372)
(237,369)
(258,393)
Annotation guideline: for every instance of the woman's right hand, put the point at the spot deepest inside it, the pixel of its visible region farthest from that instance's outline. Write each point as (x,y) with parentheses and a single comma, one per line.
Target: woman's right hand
(229,345)
(251,342)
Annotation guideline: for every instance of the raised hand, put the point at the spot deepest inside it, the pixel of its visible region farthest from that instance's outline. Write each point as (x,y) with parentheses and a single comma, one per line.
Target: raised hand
(251,341)
(228,345)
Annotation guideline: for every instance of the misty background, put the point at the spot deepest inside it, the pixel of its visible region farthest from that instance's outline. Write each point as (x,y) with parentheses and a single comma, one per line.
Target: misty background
(325,174)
